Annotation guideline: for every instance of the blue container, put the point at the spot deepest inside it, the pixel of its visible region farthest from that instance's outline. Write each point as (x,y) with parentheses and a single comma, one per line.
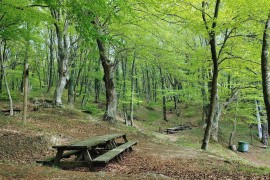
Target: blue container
(243,146)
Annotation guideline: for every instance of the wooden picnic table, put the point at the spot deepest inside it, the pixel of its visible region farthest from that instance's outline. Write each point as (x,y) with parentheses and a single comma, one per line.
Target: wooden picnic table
(92,151)
(177,129)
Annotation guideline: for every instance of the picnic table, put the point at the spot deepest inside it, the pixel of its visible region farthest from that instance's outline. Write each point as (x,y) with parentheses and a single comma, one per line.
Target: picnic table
(177,128)
(97,150)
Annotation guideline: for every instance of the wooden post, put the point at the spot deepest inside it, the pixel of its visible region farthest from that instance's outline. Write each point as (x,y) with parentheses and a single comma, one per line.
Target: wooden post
(25,80)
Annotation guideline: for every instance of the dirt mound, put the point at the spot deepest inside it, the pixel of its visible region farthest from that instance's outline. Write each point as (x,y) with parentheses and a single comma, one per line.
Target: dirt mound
(23,147)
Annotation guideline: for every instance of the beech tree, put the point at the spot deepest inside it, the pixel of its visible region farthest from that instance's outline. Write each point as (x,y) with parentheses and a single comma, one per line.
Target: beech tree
(266,78)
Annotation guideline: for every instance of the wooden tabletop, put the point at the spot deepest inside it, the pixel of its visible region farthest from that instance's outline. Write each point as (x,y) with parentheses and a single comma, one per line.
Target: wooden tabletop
(90,142)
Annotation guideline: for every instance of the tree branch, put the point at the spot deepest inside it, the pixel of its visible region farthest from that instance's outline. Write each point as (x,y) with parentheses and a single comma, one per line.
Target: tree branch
(227,36)
(237,57)
(2,16)
(203,16)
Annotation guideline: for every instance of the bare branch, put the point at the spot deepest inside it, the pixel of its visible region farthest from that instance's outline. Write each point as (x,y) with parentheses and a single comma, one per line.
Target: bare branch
(202,10)
(2,16)
(237,57)
(227,36)
(203,16)
(38,5)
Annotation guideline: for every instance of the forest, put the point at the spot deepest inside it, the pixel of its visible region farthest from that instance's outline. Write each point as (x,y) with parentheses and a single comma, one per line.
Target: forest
(137,67)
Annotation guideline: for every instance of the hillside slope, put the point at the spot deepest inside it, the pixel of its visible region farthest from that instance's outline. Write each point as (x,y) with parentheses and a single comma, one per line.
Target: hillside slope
(157,155)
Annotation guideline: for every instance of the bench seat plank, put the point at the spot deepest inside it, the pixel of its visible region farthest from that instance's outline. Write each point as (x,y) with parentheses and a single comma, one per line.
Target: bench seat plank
(49,160)
(105,158)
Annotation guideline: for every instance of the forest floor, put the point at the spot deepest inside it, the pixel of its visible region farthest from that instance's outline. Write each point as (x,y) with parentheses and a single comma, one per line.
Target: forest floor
(157,155)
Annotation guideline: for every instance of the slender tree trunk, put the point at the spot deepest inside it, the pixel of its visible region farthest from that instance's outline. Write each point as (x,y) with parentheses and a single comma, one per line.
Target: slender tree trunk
(86,93)
(176,107)
(148,86)
(132,90)
(124,89)
(97,84)
(258,119)
(265,66)
(51,59)
(111,96)
(11,112)
(25,92)
(2,56)
(234,128)
(164,107)
(143,79)
(79,77)
(263,125)
(71,85)
(212,42)
(154,82)
(137,87)
(174,82)
(1,74)
(204,84)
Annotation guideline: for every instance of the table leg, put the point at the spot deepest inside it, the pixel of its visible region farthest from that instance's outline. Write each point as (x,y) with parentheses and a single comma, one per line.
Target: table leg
(113,145)
(79,157)
(125,138)
(58,157)
(87,158)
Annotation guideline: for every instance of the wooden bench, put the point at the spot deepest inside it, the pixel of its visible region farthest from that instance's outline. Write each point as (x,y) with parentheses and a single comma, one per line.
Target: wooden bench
(111,154)
(49,161)
(176,129)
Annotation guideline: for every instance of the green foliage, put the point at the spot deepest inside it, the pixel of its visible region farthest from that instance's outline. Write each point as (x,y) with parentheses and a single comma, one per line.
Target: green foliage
(92,109)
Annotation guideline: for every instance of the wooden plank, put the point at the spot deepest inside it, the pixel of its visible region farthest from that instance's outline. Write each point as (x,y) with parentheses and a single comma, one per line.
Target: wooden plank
(105,158)
(176,129)
(93,141)
(49,160)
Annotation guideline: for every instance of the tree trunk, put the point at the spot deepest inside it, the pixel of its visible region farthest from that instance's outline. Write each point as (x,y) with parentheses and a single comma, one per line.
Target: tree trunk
(258,119)
(148,85)
(79,77)
(1,74)
(164,107)
(63,76)
(2,56)
(215,125)
(124,88)
(265,67)
(262,125)
(218,111)
(174,82)
(137,87)
(51,59)
(204,84)
(212,42)
(86,93)
(132,90)
(234,129)
(25,92)
(111,96)
(62,58)
(71,85)
(97,85)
